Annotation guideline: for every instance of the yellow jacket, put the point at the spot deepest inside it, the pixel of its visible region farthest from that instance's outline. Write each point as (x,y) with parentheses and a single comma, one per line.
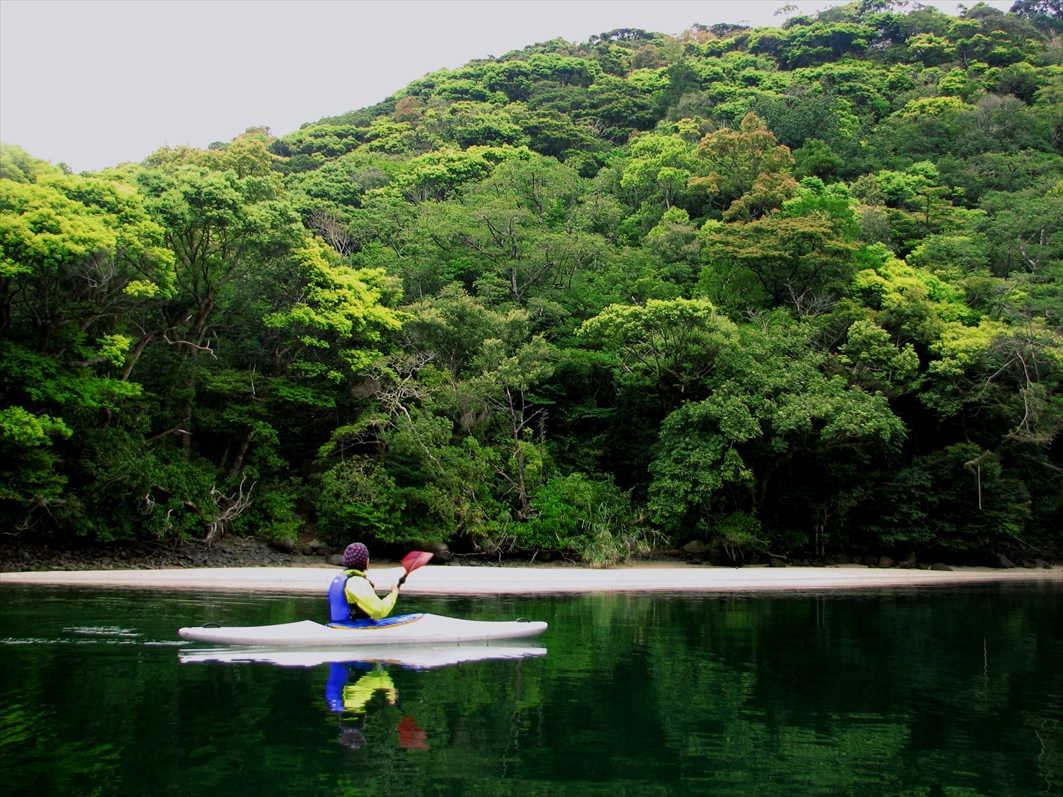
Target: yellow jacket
(361,593)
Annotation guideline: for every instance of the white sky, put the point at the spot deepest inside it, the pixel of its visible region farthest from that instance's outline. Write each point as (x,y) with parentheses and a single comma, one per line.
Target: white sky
(96,83)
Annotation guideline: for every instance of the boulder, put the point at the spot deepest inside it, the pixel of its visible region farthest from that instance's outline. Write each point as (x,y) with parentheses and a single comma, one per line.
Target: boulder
(911,559)
(885,562)
(284,546)
(440,550)
(1041,563)
(1004,561)
(941,566)
(776,562)
(869,560)
(695,546)
(904,564)
(336,559)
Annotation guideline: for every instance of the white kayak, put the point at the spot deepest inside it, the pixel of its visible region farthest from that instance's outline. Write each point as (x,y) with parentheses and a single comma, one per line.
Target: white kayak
(413,629)
(414,657)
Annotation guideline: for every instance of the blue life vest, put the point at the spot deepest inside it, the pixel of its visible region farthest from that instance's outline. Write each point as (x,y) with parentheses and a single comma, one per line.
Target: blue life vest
(339,609)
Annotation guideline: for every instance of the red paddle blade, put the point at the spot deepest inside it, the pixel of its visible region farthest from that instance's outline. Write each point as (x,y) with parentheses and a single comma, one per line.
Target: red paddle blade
(415,559)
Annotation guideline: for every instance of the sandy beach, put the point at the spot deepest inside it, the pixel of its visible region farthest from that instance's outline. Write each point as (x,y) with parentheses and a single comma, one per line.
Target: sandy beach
(443,580)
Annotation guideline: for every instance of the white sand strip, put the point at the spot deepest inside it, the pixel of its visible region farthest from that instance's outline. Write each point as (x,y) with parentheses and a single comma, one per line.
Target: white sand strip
(441,580)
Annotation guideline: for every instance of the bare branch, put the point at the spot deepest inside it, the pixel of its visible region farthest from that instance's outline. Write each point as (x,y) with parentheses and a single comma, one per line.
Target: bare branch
(191,345)
(230,507)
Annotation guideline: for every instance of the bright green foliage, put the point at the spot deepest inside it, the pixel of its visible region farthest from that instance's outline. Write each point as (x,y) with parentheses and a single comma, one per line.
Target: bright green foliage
(576,513)
(341,318)
(29,477)
(784,290)
(661,166)
(873,362)
(19,166)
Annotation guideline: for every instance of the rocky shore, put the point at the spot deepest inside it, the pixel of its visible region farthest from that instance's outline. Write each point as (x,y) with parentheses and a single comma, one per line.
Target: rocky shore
(251,552)
(231,552)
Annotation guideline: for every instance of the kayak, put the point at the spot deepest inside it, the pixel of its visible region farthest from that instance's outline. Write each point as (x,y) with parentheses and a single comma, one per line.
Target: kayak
(404,629)
(413,657)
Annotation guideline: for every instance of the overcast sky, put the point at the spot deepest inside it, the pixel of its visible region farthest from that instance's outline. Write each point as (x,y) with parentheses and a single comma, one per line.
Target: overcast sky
(95,84)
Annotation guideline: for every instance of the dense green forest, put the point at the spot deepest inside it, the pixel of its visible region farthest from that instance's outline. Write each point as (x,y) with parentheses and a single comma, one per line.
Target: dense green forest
(791,289)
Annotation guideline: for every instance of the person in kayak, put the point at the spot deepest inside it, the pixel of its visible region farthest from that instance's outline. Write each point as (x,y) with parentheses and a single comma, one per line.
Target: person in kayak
(352,596)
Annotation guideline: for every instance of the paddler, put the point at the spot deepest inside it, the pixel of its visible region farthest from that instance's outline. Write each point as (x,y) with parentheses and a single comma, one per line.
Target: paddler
(352,596)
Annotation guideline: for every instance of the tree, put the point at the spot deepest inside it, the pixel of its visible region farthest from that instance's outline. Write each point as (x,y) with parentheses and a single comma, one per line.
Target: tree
(517,237)
(774,413)
(220,228)
(77,256)
(1045,14)
(660,167)
(801,257)
(744,171)
(669,347)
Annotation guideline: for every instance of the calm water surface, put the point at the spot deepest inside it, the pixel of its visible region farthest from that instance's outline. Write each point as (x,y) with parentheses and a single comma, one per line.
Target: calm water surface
(950,693)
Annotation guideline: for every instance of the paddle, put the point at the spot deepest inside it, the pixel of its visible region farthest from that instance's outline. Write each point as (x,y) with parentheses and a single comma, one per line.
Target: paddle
(412,561)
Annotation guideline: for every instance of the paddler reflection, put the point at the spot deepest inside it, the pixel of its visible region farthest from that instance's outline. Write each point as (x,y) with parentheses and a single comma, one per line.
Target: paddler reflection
(360,689)
(349,691)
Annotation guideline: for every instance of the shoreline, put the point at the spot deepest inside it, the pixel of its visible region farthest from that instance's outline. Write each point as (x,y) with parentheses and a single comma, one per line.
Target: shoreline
(444,580)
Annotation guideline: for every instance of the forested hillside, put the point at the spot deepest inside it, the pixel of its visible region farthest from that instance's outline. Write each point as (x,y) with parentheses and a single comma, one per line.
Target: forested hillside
(793,289)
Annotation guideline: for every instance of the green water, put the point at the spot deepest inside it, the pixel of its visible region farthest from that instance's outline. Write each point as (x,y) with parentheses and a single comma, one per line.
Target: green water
(952,693)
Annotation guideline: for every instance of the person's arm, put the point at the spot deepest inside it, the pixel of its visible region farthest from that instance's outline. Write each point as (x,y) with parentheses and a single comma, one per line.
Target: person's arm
(361,592)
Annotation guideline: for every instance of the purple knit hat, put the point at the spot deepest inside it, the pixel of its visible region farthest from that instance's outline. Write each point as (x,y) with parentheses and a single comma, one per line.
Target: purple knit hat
(356,556)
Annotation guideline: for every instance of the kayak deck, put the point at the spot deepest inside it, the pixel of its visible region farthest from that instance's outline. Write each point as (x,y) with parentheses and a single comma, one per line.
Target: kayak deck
(427,628)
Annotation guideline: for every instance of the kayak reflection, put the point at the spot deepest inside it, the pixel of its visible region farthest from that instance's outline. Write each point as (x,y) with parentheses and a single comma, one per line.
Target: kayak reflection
(357,676)
(413,657)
